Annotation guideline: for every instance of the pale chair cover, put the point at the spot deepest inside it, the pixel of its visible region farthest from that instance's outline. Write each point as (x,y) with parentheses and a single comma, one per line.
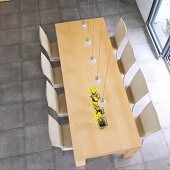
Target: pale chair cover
(55,101)
(127,59)
(59,134)
(137,88)
(120,33)
(53,74)
(50,48)
(147,122)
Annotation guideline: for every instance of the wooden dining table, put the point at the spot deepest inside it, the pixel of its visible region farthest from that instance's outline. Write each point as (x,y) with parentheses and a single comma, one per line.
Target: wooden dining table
(89,141)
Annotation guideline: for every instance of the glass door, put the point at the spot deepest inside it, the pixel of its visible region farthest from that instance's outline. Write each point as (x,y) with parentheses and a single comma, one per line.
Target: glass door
(158,25)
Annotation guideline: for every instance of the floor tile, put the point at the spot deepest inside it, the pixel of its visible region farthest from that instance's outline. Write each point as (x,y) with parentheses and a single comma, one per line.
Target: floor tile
(88,11)
(9,37)
(31,69)
(128,6)
(11,93)
(11,7)
(12,163)
(50,31)
(34,89)
(166,133)
(108,8)
(11,116)
(133,20)
(70,14)
(10,72)
(163,164)
(159,91)
(67,3)
(50,16)
(35,112)
(133,167)
(31,50)
(100,163)
(155,70)
(64,160)
(137,36)
(10,54)
(28,5)
(41,160)
(45,4)
(154,148)
(119,161)
(30,18)
(147,54)
(33,136)
(9,21)
(29,34)
(163,114)
(11,142)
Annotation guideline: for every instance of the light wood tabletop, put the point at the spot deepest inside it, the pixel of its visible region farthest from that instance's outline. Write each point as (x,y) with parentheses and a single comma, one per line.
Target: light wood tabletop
(88,139)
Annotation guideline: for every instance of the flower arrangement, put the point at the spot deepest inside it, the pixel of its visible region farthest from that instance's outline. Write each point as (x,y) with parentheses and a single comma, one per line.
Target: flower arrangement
(98,111)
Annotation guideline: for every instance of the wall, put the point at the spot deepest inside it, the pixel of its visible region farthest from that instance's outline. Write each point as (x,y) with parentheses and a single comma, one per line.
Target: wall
(144,7)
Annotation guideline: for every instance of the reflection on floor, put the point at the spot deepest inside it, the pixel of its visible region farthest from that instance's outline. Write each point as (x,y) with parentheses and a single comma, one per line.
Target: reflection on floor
(24,140)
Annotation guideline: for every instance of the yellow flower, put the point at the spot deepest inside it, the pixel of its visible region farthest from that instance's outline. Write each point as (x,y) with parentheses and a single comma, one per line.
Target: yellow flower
(94,104)
(93,89)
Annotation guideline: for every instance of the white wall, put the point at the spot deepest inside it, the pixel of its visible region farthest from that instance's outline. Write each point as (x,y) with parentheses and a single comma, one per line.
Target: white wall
(144,7)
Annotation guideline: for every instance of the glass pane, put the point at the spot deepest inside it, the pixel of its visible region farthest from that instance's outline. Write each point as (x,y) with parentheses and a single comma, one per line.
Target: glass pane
(161,23)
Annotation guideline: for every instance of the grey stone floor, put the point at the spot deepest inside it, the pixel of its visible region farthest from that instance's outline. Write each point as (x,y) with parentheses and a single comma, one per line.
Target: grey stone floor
(24,140)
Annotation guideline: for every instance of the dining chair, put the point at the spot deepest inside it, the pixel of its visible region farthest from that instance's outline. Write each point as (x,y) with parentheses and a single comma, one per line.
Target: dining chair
(50,48)
(55,101)
(127,59)
(119,34)
(137,88)
(54,75)
(59,134)
(147,122)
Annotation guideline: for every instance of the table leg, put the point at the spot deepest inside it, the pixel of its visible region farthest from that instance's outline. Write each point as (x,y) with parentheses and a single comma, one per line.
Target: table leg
(80,162)
(129,153)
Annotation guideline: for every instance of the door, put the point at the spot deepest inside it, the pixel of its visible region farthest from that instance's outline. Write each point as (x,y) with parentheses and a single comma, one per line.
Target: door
(158,25)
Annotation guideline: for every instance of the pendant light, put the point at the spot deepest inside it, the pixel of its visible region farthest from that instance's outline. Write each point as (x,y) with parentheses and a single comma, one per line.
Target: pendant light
(92,59)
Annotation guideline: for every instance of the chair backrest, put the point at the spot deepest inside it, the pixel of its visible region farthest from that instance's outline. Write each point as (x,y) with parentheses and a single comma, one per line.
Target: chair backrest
(138,87)
(55,132)
(147,122)
(52,98)
(44,41)
(127,58)
(47,68)
(120,32)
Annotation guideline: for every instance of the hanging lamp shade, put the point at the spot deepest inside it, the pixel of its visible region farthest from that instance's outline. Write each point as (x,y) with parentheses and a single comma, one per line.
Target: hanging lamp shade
(102,102)
(92,60)
(84,24)
(88,42)
(97,80)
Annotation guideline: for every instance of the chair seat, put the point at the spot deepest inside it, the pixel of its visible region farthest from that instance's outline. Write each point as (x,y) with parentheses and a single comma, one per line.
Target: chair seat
(58,78)
(54,52)
(62,105)
(67,143)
